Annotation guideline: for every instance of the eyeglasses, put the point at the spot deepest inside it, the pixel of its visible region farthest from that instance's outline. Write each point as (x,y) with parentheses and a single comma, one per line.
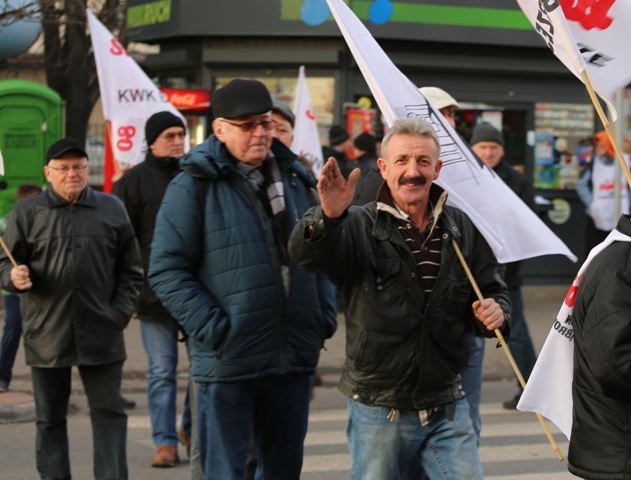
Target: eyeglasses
(66,169)
(248,127)
(169,137)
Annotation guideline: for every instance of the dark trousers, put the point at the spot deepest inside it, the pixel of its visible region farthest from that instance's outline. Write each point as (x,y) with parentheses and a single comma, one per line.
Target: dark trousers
(275,409)
(102,385)
(10,336)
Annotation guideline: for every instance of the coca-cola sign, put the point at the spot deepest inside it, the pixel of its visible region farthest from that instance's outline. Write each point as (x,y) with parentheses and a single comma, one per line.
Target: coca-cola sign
(188,99)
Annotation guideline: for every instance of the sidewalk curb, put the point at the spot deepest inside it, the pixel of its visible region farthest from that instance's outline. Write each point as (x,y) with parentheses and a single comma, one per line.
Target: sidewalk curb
(16,407)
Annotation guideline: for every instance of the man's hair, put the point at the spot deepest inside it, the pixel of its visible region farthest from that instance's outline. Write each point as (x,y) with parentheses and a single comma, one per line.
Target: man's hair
(27,190)
(414,126)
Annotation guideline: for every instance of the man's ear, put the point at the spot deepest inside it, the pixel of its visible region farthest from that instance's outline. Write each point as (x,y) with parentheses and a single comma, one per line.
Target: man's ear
(439,165)
(218,126)
(381,163)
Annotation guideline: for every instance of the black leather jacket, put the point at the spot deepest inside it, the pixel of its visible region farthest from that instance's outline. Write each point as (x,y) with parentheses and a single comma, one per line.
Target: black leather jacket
(600,444)
(86,271)
(401,351)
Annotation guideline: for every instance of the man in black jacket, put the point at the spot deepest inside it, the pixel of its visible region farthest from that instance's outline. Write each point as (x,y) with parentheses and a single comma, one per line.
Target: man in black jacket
(339,142)
(141,189)
(601,388)
(365,151)
(408,302)
(488,143)
(78,270)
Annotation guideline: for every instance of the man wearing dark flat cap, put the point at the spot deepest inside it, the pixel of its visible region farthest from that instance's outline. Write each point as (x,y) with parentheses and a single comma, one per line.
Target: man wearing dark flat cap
(339,143)
(365,151)
(77,269)
(141,189)
(219,264)
(284,122)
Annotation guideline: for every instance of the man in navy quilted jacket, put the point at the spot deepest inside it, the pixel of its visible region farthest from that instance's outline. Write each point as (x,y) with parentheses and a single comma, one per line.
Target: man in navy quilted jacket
(219,263)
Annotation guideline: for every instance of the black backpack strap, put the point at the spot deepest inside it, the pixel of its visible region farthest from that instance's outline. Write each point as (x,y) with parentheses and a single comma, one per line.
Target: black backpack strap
(201,181)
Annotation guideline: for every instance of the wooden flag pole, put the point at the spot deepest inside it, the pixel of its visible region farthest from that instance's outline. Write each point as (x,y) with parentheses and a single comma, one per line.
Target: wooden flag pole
(500,337)
(605,122)
(6,250)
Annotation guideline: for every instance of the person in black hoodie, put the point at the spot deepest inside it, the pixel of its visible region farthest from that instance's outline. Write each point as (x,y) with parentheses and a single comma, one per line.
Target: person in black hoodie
(141,189)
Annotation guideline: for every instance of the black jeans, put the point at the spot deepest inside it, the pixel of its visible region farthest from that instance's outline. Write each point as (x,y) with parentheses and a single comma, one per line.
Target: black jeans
(102,385)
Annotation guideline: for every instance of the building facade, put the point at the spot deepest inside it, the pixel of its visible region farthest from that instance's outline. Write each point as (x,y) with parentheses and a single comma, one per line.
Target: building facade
(485,53)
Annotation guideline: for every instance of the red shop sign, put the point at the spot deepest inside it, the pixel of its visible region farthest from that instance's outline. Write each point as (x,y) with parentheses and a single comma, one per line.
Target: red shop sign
(188,99)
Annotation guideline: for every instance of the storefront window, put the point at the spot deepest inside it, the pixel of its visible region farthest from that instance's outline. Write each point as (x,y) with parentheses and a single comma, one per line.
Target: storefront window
(283,89)
(563,143)
(624,116)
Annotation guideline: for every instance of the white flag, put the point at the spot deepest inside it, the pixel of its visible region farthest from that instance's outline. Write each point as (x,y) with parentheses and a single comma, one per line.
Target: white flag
(513,231)
(1,165)
(306,139)
(587,36)
(549,388)
(128,95)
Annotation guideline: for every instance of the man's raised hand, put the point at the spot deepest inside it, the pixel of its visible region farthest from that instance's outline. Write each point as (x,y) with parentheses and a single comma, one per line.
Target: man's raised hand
(336,194)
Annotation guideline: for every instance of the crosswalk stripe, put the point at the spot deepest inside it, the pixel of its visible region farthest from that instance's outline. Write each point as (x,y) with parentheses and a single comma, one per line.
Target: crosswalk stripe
(533,476)
(510,453)
(326,463)
(532,427)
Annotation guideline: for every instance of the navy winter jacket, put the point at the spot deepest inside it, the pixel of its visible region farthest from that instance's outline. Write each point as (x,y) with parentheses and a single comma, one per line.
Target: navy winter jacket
(217,270)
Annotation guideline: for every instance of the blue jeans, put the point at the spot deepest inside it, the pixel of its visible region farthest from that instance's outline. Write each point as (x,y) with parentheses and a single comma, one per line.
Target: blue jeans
(274,409)
(189,419)
(102,384)
(471,377)
(519,342)
(383,450)
(160,341)
(195,462)
(10,336)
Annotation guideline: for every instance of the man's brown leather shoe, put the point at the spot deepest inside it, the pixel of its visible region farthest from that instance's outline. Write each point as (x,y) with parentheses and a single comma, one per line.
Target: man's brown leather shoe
(185,440)
(165,456)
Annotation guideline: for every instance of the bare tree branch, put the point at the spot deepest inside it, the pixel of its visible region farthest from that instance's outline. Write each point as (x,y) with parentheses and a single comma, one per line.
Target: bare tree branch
(10,14)
(68,53)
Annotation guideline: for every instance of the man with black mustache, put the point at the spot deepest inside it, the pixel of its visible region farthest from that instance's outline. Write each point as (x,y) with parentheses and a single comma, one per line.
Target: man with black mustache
(408,302)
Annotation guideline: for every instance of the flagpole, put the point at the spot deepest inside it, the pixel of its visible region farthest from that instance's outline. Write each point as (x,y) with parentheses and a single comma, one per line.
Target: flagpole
(6,250)
(500,337)
(605,122)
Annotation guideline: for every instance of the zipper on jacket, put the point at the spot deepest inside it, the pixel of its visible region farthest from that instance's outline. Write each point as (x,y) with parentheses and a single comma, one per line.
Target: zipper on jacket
(280,287)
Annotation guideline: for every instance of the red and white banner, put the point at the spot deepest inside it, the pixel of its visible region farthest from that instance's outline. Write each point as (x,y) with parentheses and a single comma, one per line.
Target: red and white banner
(513,231)
(549,388)
(587,35)
(128,95)
(306,138)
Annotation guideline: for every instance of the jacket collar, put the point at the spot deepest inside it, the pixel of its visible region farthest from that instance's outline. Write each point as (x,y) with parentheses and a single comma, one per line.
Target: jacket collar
(87,198)
(624,224)
(162,163)
(213,158)
(387,211)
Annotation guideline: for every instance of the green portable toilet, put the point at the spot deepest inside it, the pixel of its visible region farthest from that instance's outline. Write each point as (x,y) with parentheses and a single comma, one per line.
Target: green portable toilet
(31,119)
